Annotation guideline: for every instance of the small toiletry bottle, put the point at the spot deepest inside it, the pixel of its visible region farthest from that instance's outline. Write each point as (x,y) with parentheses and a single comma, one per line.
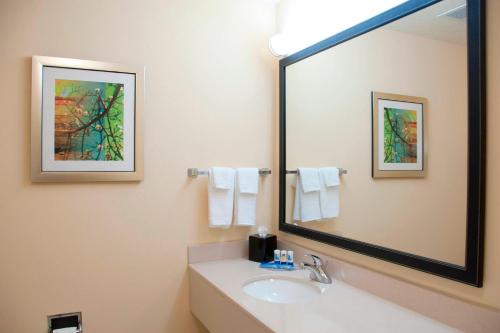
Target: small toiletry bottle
(277,254)
(283,257)
(289,258)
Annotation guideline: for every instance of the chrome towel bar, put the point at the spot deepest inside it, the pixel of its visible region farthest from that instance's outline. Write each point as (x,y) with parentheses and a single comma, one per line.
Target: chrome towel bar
(195,172)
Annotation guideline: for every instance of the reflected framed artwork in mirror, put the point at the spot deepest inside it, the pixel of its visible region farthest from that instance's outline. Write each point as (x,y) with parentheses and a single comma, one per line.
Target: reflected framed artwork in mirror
(397,100)
(398,138)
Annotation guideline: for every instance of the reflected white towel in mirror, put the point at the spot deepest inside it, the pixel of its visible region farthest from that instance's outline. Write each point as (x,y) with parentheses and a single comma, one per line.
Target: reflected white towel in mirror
(307,203)
(329,192)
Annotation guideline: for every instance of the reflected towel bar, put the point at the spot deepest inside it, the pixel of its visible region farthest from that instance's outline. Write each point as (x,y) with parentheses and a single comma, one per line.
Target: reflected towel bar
(195,172)
(342,171)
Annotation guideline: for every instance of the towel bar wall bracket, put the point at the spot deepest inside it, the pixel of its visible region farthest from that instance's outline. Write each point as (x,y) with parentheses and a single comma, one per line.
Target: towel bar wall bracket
(195,172)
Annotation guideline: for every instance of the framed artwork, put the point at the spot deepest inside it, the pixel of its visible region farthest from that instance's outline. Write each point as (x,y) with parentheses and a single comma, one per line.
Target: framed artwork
(398,136)
(86,120)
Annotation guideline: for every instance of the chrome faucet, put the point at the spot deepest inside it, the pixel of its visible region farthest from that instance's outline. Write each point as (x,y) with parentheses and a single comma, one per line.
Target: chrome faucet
(316,269)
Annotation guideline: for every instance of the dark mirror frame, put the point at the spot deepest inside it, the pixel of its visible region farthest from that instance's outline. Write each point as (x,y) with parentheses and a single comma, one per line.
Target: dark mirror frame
(472,272)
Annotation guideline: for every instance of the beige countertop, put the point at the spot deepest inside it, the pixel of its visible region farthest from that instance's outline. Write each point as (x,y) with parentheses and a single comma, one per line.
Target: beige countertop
(340,308)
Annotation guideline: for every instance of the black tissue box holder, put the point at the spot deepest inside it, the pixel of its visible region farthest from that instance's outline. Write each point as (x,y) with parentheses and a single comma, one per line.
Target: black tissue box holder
(261,249)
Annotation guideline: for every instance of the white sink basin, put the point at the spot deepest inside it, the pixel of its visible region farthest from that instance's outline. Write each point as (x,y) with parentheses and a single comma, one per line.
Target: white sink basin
(285,290)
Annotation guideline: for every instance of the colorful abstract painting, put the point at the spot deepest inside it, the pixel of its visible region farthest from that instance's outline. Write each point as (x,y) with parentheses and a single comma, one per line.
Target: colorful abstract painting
(88,121)
(400,135)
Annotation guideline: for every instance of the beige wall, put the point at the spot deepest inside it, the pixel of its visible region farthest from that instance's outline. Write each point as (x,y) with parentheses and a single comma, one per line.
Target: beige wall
(489,295)
(329,123)
(117,252)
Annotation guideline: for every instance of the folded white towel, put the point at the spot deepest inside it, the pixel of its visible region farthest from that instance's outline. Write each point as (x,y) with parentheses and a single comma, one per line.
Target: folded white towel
(223,178)
(248,180)
(309,178)
(245,205)
(307,203)
(329,192)
(220,197)
(331,176)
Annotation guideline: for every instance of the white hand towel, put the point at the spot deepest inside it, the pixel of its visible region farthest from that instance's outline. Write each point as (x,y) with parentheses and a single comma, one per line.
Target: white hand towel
(223,178)
(329,192)
(307,204)
(331,176)
(220,197)
(309,177)
(298,198)
(245,205)
(248,180)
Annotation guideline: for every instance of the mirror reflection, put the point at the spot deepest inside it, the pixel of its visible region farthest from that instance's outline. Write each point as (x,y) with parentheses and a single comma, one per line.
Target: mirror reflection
(390,108)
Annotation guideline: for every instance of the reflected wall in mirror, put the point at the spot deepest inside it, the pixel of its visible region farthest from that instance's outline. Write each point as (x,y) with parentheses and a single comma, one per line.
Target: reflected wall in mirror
(393,107)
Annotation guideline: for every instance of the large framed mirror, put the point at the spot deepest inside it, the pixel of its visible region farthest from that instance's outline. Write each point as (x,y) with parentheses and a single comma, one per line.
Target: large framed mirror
(396,107)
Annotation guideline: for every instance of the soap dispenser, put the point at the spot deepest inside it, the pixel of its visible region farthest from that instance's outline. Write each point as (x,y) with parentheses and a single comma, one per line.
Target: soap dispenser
(261,246)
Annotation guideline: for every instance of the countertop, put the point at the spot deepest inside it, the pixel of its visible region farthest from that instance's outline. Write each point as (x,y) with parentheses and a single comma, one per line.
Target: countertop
(340,308)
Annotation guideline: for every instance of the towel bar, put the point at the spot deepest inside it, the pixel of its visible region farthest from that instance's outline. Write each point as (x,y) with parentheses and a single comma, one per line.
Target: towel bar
(195,172)
(342,171)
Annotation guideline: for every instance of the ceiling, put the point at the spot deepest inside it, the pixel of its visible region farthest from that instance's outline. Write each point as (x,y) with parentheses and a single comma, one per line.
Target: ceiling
(438,21)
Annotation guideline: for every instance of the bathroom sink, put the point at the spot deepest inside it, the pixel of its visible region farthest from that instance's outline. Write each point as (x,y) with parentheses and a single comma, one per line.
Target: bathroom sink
(283,290)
